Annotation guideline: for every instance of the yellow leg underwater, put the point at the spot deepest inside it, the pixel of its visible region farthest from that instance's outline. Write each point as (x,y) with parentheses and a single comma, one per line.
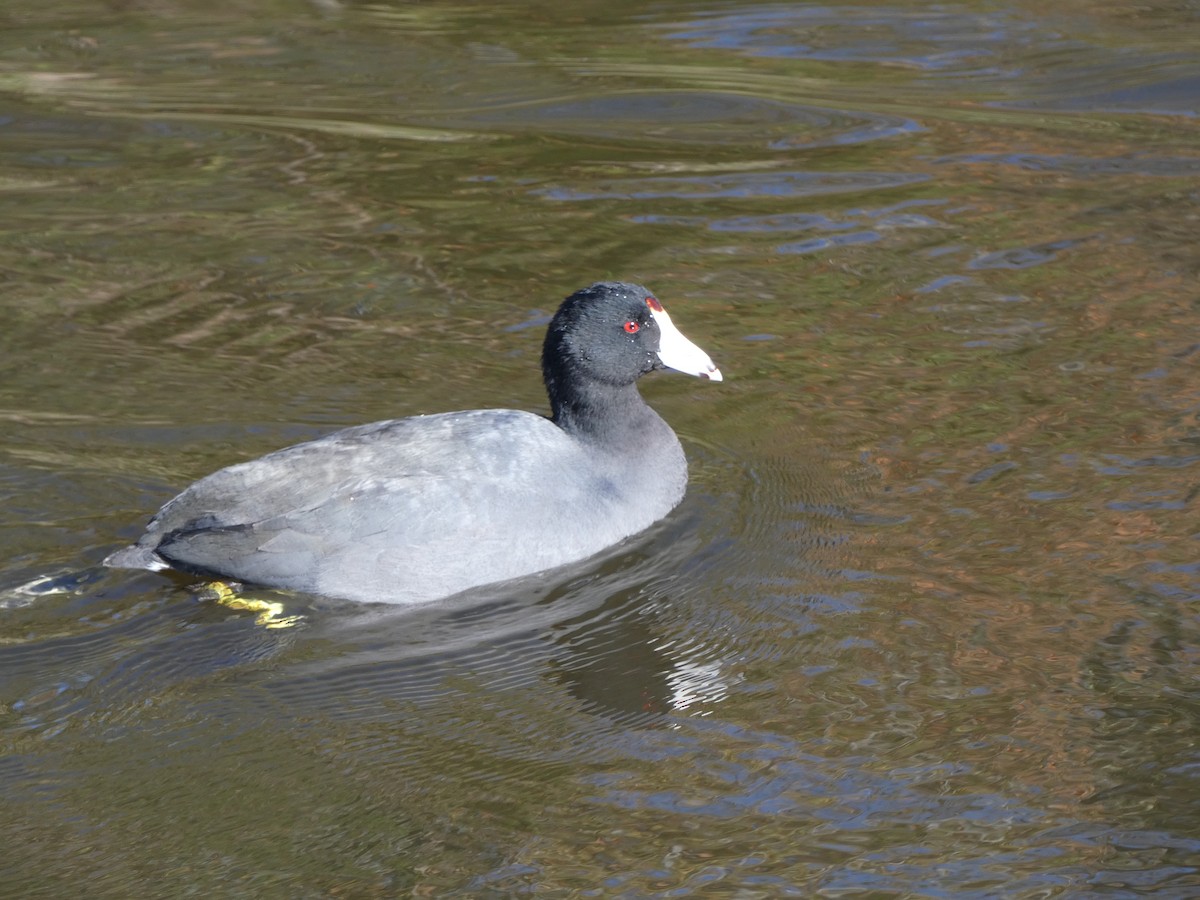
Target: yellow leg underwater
(270,613)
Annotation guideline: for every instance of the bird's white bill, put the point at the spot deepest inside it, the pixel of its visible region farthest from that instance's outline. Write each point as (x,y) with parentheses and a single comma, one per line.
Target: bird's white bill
(680,354)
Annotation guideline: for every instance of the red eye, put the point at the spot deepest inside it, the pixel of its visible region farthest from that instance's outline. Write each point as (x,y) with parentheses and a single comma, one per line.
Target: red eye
(632,327)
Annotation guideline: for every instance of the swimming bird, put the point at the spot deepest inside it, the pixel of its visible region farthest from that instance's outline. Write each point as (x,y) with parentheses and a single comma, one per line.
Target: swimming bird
(416,509)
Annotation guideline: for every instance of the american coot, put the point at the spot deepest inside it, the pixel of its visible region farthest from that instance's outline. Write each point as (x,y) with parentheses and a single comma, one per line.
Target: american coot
(412,510)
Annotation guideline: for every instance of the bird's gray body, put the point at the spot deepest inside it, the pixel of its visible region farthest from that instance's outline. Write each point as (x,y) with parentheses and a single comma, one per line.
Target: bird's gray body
(417,508)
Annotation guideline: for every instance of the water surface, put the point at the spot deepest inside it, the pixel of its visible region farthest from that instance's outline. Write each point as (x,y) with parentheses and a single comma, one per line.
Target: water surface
(926,623)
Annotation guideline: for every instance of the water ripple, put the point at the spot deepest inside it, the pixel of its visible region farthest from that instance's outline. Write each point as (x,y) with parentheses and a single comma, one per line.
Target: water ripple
(1021,257)
(701,114)
(741,185)
(932,39)
(1132,164)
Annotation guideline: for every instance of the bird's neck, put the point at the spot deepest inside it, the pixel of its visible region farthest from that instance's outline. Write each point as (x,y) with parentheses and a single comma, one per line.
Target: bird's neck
(601,414)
